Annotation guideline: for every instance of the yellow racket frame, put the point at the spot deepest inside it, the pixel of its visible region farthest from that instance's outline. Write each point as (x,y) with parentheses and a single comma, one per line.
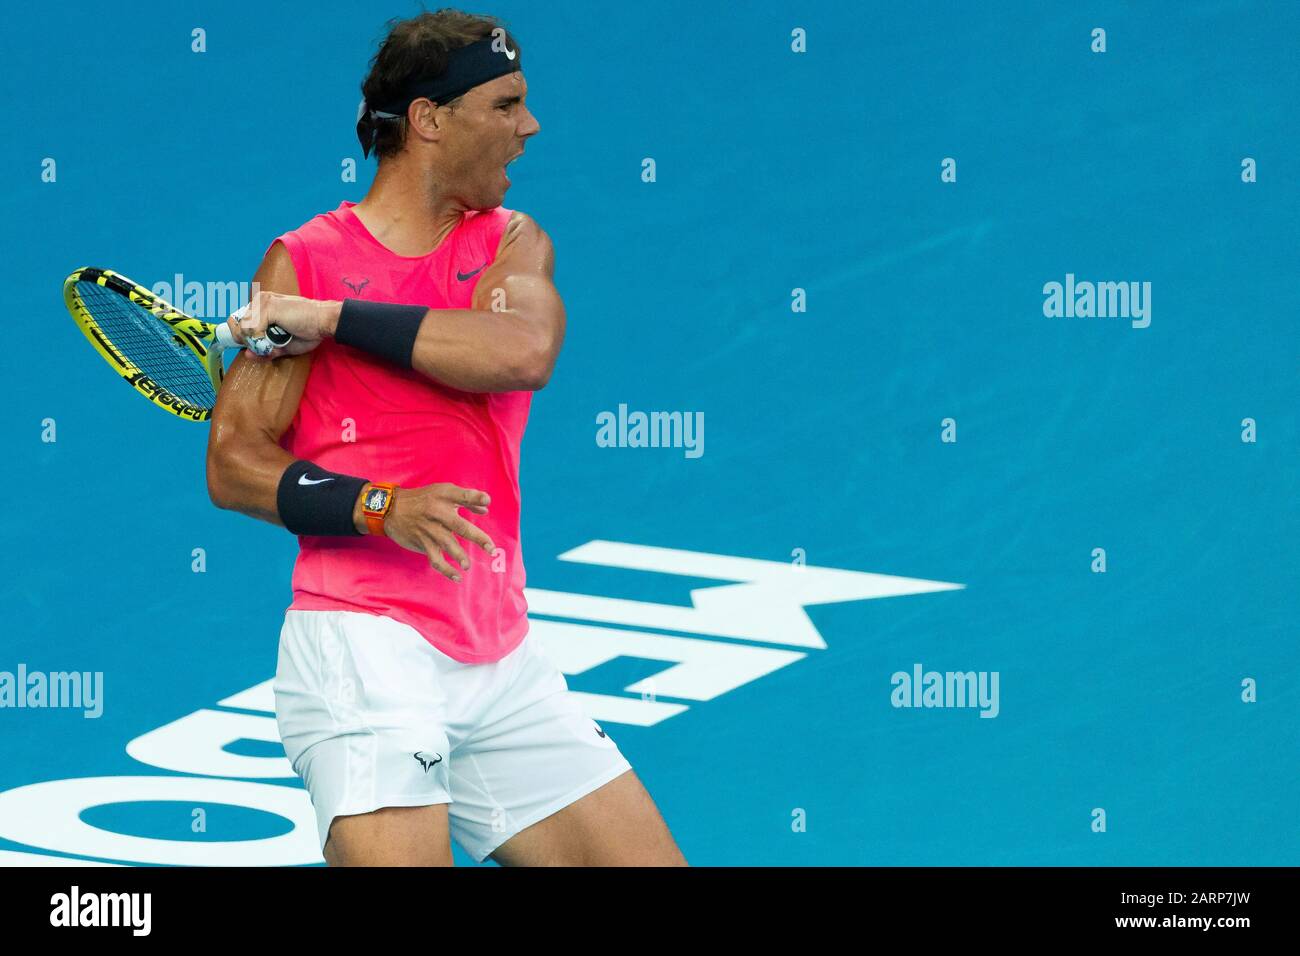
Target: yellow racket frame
(196,335)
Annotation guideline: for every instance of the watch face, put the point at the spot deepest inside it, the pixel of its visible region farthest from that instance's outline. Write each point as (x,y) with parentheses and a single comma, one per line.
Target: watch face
(376,498)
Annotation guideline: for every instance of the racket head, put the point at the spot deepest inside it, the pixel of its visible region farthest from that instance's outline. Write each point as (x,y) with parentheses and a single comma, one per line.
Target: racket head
(170,358)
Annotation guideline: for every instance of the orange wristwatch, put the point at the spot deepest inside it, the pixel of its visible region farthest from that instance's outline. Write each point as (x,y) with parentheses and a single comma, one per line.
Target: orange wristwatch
(376,505)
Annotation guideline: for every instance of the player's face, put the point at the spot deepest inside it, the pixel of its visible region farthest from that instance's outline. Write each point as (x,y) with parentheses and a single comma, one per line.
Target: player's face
(492,124)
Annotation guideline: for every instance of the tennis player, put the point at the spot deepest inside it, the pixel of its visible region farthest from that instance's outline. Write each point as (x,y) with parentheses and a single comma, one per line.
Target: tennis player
(410,697)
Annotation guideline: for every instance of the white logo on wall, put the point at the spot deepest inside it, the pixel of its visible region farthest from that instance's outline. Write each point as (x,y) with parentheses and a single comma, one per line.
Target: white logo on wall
(763,605)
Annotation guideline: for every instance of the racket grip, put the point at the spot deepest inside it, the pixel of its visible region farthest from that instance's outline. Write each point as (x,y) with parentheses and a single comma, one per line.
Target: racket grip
(276,337)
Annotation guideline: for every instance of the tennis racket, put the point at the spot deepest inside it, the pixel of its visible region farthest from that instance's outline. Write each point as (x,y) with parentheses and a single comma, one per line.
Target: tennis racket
(170,358)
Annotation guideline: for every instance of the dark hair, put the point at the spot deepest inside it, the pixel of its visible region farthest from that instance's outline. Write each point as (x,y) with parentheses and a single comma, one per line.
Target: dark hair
(417,49)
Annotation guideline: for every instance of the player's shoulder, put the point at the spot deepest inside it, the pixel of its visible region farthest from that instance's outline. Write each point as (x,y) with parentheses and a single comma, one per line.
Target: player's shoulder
(325,227)
(292,251)
(332,222)
(524,229)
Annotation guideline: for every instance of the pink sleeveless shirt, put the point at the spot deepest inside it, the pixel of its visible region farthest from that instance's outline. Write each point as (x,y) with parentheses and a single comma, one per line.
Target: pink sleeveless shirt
(363,416)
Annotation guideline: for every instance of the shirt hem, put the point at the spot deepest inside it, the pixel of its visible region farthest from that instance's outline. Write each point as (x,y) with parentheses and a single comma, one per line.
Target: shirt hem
(456,652)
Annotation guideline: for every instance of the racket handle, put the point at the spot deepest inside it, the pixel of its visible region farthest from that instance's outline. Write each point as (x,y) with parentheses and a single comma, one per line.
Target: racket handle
(278,336)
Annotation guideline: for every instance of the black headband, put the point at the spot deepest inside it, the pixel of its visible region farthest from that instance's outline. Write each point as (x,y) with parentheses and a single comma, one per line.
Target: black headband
(467,67)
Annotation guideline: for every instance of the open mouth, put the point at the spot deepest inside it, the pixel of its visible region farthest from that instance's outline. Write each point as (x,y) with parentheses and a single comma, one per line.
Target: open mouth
(505,168)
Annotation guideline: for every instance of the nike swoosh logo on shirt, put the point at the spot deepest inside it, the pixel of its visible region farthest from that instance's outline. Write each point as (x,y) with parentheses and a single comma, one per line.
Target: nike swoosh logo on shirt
(304,480)
(462,276)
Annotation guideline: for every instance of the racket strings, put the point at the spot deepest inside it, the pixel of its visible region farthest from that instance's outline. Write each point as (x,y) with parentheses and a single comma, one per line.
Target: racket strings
(149,343)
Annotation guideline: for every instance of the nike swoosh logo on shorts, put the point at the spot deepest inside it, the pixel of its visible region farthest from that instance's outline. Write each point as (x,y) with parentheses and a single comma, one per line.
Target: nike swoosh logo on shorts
(304,480)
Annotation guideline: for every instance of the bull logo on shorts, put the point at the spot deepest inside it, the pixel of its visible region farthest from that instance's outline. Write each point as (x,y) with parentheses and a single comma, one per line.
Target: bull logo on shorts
(426,761)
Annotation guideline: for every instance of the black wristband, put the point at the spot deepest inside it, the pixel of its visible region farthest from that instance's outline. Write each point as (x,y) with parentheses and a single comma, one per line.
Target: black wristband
(314,501)
(380,328)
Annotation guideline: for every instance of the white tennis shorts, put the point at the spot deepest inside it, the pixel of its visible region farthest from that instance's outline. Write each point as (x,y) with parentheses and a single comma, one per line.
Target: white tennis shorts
(372,715)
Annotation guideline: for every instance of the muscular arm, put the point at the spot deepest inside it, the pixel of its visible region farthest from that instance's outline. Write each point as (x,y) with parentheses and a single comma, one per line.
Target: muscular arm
(255,406)
(511,338)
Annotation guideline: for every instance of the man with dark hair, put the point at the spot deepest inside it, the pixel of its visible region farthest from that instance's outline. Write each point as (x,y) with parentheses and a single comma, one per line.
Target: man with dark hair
(409,695)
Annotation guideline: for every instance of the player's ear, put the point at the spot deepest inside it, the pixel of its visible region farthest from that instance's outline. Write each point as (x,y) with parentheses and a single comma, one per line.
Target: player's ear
(424,119)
